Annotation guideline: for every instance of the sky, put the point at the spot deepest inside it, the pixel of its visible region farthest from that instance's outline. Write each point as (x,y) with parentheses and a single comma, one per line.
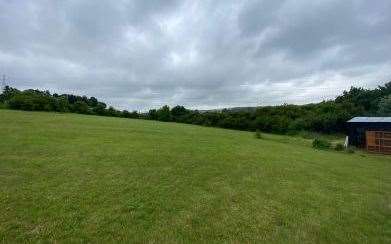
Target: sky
(142,54)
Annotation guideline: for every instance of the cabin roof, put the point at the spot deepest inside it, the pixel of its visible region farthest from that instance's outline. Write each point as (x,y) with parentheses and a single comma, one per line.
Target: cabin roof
(370,120)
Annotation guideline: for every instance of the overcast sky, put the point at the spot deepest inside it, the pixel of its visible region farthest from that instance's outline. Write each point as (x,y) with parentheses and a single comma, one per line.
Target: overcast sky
(201,54)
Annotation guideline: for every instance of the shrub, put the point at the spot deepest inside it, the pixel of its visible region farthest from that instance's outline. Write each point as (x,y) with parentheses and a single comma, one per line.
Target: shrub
(258,134)
(321,144)
(339,147)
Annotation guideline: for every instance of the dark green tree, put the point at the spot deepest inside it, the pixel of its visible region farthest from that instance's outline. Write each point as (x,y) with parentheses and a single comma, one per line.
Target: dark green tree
(99,109)
(163,114)
(385,106)
(152,114)
(80,107)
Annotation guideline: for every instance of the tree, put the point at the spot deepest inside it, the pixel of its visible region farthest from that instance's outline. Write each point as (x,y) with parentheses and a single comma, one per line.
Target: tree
(125,114)
(134,115)
(113,112)
(93,102)
(20,101)
(152,114)
(163,114)
(99,109)
(61,104)
(80,107)
(7,93)
(385,106)
(179,113)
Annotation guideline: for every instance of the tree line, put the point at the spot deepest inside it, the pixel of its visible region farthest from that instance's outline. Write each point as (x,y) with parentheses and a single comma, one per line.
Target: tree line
(325,117)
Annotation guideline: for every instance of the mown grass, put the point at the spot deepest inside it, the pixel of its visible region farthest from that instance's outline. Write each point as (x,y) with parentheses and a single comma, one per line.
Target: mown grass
(75,178)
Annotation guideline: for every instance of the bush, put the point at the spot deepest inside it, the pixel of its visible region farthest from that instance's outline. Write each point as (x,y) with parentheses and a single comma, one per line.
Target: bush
(258,134)
(339,147)
(321,144)
(350,150)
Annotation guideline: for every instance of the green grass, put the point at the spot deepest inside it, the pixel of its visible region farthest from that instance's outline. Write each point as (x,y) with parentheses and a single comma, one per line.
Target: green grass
(75,178)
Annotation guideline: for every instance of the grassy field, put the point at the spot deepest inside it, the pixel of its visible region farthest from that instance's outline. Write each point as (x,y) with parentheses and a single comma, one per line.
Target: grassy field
(70,177)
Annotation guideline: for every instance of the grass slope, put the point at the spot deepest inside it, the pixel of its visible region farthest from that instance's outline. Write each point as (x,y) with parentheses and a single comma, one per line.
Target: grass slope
(85,178)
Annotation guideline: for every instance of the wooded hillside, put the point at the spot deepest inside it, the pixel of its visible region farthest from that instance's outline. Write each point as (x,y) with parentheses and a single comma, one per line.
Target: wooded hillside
(326,117)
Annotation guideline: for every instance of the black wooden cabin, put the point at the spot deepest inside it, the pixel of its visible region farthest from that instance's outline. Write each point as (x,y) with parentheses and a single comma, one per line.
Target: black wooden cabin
(361,128)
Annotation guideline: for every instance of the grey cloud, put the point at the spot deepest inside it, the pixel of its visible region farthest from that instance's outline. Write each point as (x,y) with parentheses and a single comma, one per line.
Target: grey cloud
(202,54)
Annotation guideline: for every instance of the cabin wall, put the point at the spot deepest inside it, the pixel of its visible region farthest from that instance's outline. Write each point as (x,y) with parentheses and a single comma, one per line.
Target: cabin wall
(378,141)
(356,132)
